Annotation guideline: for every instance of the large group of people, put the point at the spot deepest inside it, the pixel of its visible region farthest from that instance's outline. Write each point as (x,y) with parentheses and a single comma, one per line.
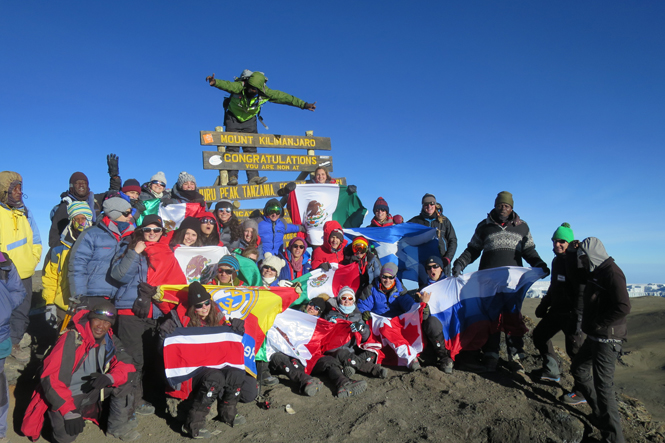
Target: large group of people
(103,267)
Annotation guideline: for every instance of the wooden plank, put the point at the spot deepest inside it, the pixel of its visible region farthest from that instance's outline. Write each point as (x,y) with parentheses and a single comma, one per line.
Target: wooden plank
(213,138)
(243,161)
(248,192)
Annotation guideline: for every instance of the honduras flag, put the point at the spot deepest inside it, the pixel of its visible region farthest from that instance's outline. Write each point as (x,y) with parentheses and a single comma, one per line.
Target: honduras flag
(406,245)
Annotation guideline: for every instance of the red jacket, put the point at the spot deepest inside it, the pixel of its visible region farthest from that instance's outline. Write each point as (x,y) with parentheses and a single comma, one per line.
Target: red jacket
(61,363)
(325,253)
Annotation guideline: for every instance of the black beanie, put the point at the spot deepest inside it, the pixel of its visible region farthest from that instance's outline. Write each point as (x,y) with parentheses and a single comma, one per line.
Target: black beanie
(197,294)
(192,223)
(319,303)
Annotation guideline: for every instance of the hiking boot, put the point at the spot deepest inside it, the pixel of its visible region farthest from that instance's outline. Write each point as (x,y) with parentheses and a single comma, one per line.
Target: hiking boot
(201,433)
(548,376)
(572,399)
(515,366)
(414,365)
(130,435)
(145,409)
(491,363)
(380,372)
(446,365)
(351,388)
(233,181)
(257,180)
(349,371)
(20,355)
(311,388)
(238,420)
(270,381)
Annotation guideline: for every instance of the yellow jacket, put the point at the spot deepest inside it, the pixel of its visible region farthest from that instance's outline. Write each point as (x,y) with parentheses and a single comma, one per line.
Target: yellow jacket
(54,277)
(16,239)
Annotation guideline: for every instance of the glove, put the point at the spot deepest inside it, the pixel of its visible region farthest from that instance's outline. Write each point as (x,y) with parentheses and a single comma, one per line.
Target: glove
(325,267)
(358,326)
(333,320)
(285,284)
(367,315)
(112,161)
(544,267)
(168,326)
(74,425)
(96,381)
(301,228)
(290,187)
(238,325)
(457,270)
(541,310)
(51,316)
(446,261)
(351,189)
(141,306)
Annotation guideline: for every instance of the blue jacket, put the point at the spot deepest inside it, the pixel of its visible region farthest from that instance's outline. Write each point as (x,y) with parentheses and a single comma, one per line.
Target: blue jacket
(12,294)
(90,261)
(272,233)
(128,271)
(287,272)
(395,303)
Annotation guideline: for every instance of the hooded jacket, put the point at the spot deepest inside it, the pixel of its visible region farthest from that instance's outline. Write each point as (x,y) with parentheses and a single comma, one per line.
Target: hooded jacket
(12,294)
(272,232)
(244,108)
(213,239)
(565,294)
(606,300)
(56,268)
(19,236)
(64,371)
(388,304)
(325,253)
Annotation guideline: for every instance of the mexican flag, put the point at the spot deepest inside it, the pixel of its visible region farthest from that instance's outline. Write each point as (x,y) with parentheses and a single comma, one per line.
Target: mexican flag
(193,260)
(175,213)
(312,205)
(319,282)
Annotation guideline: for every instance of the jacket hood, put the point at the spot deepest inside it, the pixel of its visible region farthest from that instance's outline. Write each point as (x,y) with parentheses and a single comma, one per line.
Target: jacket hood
(81,324)
(328,228)
(273,202)
(258,80)
(6,179)
(595,250)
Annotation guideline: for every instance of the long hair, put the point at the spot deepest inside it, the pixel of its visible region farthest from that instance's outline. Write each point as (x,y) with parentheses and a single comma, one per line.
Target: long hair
(179,237)
(328,177)
(235,226)
(134,238)
(213,318)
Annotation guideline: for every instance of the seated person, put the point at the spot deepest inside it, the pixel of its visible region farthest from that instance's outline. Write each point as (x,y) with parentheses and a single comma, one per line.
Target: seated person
(87,363)
(386,296)
(296,260)
(224,274)
(270,268)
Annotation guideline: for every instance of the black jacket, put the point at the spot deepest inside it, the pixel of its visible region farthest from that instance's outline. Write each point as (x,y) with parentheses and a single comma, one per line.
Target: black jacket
(565,292)
(444,231)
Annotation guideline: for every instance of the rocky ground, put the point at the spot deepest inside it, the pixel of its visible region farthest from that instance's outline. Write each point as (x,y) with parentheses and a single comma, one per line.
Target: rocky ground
(428,405)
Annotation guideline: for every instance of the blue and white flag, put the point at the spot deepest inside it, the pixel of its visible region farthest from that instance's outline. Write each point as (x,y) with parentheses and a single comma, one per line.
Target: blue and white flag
(406,245)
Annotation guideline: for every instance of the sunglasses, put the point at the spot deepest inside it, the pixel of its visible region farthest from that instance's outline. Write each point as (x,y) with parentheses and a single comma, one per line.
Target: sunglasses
(155,230)
(388,277)
(359,248)
(202,304)
(207,221)
(346,297)
(270,268)
(298,246)
(105,313)
(157,182)
(433,267)
(226,271)
(560,241)
(228,210)
(315,307)
(127,213)
(429,204)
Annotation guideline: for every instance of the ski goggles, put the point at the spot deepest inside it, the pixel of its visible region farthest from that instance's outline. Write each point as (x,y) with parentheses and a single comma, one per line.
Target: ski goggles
(273,210)
(108,314)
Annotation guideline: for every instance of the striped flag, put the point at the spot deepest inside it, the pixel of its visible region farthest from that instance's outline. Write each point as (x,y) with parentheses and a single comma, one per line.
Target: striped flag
(193,260)
(312,205)
(175,213)
(188,349)
(319,282)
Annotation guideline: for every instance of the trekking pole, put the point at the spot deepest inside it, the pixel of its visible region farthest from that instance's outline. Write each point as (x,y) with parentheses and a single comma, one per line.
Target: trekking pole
(71,310)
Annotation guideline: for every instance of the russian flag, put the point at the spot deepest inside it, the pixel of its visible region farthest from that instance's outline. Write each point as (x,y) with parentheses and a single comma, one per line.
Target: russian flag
(470,306)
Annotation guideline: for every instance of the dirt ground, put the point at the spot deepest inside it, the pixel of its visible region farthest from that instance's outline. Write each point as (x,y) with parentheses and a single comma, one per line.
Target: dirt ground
(428,405)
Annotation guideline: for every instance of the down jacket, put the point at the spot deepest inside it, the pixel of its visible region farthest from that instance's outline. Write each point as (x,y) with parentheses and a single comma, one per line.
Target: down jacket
(391,304)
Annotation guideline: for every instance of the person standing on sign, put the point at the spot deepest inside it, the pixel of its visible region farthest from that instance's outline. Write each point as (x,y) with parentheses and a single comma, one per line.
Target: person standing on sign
(248,94)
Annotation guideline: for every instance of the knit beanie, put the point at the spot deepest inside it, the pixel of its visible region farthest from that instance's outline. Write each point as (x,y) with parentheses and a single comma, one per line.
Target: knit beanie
(319,303)
(389,269)
(504,197)
(336,233)
(380,205)
(297,239)
(226,203)
(250,223)
(273,261)
(196,293)
(115,206)
(184,177)
(76,177)
(159,177)
(131,185)
(564,232)
(230,261)
(428,198)
(75,208)
(152,219)
(434,260)
(103,311)
(192,223)
(347,291)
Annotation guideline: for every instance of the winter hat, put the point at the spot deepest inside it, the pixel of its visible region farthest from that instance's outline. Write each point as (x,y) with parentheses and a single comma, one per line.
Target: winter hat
(337,233)
(250,223)
(230,261)
(319,303)
(428,198)
(159,177)
(389,269)
(359,241)
(197,294)
(347,291)
(131,185)
(504,197)
(564,232)
(380,205)
(273,261)
(273,203)
(398,219)
(115,206)
(226,203)
(152,219)
(295,239)
(192,223)
(75,208)
(434,260)
(184,177)
(76,177)
(104,311)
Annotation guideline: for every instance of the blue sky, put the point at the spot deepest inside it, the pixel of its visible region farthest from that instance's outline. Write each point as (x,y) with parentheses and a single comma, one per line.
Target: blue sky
(561,103)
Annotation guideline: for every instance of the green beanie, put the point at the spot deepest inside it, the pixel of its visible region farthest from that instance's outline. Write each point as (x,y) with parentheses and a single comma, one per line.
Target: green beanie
(504,197)
(564,232)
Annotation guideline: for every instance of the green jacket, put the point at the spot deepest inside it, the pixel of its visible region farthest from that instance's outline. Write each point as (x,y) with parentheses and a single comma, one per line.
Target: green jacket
(243,108)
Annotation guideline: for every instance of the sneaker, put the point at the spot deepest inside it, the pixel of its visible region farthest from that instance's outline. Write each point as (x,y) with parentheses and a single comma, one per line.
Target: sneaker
(130,435)
(446,365)
(573,399)
(349,371)
(233,181)
(312,388)
(21,355)
(270,381)
(202,433)
(548,376)
(257,180)
(414,366)
(351,388)
(145,409)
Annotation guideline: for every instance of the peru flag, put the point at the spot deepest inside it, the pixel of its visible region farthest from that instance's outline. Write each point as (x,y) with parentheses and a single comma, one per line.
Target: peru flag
(187,349)
(312,205)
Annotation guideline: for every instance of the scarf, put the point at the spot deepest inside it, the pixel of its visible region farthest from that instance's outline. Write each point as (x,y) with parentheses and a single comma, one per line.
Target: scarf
(387,222)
